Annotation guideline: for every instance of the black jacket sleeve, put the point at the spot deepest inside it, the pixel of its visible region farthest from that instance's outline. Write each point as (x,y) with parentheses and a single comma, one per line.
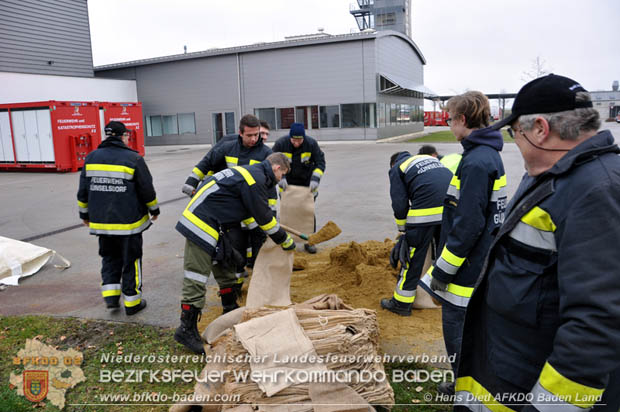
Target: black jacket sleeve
(400,197)
(255,200)
(319,162)
(207,166)
(144,186)
(82,195)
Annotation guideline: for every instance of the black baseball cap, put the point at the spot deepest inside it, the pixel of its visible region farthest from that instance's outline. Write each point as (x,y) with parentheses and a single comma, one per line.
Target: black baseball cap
(547,94)
(115,129)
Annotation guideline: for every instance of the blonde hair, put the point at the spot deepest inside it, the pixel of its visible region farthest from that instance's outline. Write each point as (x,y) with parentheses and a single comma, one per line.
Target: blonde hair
(474,106)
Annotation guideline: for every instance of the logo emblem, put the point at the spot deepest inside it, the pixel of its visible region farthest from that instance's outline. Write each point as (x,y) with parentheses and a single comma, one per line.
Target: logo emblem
(36,385)
(124,110)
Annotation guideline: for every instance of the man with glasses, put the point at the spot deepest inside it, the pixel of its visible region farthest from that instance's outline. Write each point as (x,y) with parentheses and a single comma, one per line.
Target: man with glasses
(543,324)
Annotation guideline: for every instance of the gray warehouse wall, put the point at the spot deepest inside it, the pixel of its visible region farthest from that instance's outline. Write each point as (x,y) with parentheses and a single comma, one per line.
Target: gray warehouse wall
(34,33)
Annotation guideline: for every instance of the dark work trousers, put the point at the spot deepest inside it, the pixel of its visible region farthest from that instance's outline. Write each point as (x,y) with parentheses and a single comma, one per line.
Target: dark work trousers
(121,268)
(257,238)
(453,319)
(418,239)
(240,240)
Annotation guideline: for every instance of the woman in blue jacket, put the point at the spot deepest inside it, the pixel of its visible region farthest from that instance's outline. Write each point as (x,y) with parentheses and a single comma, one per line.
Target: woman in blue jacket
(473,210)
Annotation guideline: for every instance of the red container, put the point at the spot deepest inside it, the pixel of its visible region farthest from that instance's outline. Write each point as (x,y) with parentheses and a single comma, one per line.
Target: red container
(57,136)
(48,135)
(436,118)
(130,114)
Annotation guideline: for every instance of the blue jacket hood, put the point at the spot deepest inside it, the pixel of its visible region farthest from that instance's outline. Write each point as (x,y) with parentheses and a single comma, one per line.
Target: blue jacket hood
(486,136)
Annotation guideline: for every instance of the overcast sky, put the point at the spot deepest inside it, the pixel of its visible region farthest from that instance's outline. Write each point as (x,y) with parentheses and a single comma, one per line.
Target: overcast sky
(482,45)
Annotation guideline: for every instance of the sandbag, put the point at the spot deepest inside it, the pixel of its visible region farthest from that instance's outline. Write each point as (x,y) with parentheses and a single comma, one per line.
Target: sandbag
(221,324)
(422,299)
(270,283)
(20,259)
(297,210)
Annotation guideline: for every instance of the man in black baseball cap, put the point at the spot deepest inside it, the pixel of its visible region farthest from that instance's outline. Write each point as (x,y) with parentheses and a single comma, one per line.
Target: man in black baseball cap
(542,323)
(117,129)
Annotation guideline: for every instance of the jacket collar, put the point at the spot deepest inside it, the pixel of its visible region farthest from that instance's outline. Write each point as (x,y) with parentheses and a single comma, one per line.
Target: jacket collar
(486,137)
(113,141)
(270,177)
(600,143)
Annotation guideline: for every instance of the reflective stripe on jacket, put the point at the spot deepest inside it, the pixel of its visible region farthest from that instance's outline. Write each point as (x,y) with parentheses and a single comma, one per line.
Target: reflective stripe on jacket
(116,192)
(307,161)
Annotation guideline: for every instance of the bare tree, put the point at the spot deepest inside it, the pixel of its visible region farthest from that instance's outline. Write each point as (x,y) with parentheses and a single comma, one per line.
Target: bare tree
(537,69)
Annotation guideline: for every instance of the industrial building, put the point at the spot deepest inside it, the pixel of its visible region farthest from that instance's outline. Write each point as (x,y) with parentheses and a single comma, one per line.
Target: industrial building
(607,102)
(360,86)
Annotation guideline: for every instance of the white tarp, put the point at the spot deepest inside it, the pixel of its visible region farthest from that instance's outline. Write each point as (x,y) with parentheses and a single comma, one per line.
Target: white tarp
(20,259)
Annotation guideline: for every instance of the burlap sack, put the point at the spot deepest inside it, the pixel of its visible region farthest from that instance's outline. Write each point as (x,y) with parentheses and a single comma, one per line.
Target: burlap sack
(270,283)
(337,397)
(422,299)
(297,210)
(221,324)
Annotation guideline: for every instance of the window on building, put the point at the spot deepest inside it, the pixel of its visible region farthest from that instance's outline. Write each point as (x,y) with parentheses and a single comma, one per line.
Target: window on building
(170,125)
(405,111)
(330,116)
(187,123)
(285,117)
(394,114)
(352,115)
(370,115)
(230,122)
(308,115)
(385,19)
(268,115)
(381,115)
(154,126)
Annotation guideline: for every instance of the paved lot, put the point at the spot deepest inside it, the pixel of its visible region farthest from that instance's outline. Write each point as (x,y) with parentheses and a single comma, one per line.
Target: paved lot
(354,193)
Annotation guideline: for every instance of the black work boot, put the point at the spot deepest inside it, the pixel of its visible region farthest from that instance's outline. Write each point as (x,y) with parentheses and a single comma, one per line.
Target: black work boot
(129,311)
(112,303)
(402,309)
(229,299)
(237,290)
(446,388)
(187,333)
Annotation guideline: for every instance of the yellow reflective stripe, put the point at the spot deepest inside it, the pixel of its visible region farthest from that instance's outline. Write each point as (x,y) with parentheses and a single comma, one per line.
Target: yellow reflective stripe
(318,171)
(305,155)
(110,168)
(198,173)
(566,389)
(246,175)
(456,182)
(451,258)
(82,205)
(458,290)
(404,299)
(287,154)
(230,159)
(403,165)
(404,277)
(400,222)
(272,202)
(119,226)
(202,189)
(539,219)
(470,385)
(499,183)
(270,224)
(248,220)
(210,173)
(151,204)
(200,224)
(108,293)
(253,162)
(137,269)
(132,303)
(426,212)
(288,242)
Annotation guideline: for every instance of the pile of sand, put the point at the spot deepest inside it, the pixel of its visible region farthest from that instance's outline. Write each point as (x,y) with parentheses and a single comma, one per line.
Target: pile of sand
(360,274)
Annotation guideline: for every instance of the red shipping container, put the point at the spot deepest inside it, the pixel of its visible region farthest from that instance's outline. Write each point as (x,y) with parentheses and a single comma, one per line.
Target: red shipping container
(130,114)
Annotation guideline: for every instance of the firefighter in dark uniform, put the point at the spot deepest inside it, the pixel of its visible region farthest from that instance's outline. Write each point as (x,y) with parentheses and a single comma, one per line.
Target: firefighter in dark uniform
(473,210)
(543,324)
(246,148)
(224,199)
(418,186)
(115,197)
(307,163)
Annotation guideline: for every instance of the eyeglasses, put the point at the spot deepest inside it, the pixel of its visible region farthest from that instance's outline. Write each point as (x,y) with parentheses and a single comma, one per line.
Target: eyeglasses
(512,132)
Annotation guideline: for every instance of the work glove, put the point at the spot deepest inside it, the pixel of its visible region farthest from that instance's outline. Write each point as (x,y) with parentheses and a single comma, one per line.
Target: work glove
(314,186)
(437,284)
(291,246)
(188,190)
(395,253)
(283,184)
